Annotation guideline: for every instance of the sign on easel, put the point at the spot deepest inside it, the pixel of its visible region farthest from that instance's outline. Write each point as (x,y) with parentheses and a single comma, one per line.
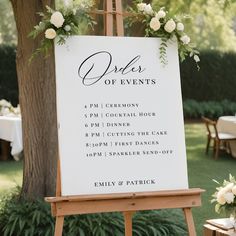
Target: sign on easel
(120,127)
(119,116)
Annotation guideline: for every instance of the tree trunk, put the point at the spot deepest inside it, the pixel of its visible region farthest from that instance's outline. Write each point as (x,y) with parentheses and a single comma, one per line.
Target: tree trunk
(37,96)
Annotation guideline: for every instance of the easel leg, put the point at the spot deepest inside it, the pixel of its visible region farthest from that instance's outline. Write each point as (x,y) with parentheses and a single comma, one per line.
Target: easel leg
(189,220)
(59,225)
(128,222)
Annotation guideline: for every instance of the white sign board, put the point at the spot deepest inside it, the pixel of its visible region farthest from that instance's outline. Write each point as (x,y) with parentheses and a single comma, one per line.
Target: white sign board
(120,121)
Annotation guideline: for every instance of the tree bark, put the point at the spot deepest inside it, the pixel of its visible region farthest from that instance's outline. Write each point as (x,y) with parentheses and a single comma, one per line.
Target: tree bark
(37,96)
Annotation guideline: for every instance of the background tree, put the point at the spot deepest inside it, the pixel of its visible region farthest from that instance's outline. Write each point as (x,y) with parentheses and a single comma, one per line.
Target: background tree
(7,24)
(211,24)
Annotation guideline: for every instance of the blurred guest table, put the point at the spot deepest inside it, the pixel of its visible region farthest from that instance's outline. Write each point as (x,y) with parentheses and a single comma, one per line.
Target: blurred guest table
(11,131)
(227,124)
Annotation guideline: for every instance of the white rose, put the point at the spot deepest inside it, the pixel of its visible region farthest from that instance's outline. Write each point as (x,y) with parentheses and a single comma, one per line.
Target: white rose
(180,26)
(220,198)
(223,190)
(229,187)
(141,6)
(50,33)
(57,19)
(170,26)
(229,197)
(234,190)
(160,14)
(185,39)
(67,28)
(148,9)
(197,59)
(155,24)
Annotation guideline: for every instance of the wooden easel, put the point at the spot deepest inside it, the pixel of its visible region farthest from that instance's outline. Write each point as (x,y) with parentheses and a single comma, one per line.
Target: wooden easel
(127,203)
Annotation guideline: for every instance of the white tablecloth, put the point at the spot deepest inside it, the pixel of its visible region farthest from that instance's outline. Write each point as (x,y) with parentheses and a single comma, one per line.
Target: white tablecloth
(11,130)
(227,124)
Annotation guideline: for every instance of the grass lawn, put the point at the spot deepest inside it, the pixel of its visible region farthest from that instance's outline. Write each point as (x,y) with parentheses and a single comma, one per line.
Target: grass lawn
(201,170)
(10,175)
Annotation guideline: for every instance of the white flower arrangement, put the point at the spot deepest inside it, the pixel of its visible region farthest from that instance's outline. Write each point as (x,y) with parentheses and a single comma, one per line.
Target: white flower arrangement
(6,109)
(225,197)
(158,23)
(60,24)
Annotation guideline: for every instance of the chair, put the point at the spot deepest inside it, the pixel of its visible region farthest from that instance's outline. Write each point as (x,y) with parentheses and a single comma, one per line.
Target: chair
(220,139)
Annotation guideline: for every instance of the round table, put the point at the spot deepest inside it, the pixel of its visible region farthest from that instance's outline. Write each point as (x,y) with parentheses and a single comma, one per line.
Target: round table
(227,124)
(11,131)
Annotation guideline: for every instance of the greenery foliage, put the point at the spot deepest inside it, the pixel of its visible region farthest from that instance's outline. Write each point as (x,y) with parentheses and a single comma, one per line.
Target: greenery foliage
(60,24)
(161,23)
(20,217)
(194,109)
(8,76)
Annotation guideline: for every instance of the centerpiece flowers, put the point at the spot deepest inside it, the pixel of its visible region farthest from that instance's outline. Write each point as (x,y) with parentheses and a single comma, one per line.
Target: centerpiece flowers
(60,24)
(6,109)
(159,23)
(225,199)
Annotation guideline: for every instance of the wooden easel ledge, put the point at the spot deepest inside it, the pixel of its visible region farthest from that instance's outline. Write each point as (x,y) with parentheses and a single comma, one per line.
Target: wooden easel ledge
(184,192)
(85,204)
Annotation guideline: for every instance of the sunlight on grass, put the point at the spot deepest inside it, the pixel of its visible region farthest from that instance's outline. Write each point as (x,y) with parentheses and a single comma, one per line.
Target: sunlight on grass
(196,147)
(10,175)
(7,185)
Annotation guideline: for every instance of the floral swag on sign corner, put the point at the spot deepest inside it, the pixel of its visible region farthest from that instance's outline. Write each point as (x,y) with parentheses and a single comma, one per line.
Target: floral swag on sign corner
(62,23)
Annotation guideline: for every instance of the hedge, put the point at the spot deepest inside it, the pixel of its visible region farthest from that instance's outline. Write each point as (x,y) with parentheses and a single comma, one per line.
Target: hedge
(212,109)
(8,77)
(215,81)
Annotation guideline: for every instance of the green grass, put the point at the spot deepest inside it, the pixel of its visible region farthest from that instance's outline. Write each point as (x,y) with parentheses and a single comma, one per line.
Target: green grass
(10,175)
(201,170)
